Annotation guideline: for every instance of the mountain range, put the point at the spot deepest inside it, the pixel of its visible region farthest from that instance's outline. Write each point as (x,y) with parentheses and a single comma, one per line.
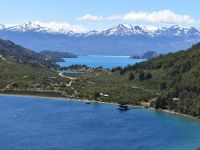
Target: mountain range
(123,39)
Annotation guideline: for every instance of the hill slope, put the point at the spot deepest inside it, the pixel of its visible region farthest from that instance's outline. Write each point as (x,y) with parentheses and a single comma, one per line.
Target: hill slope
(17,53)
(23,71)
(177,76)
(10,49)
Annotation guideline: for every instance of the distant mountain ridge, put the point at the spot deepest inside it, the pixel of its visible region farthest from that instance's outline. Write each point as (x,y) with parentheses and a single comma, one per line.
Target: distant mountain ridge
(121,29)
(123,39)
(34,27)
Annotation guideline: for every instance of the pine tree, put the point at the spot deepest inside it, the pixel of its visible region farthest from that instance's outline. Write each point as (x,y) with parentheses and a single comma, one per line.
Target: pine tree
(131,76)
(141,76)
(148,76)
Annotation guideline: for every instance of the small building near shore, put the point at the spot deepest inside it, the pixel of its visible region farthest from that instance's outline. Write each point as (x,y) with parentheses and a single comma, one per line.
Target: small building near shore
(104,95)
(175,99)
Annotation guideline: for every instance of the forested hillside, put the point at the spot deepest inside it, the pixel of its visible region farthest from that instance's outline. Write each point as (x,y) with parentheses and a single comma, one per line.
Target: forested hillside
(178,78)
(22,55)
(24,71)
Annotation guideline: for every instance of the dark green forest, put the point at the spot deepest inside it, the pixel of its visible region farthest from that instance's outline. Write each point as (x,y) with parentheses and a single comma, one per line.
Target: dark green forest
(178,79)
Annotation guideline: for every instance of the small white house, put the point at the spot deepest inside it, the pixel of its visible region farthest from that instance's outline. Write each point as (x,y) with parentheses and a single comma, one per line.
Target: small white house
(175,99)
(104,95)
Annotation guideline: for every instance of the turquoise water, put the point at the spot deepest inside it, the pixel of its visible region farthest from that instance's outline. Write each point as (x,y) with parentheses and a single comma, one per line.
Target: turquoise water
(97,61)
(30,123)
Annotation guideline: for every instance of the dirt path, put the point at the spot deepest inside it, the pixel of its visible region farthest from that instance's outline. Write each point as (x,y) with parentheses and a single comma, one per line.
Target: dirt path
(97,74)
(70,83)
(64,76)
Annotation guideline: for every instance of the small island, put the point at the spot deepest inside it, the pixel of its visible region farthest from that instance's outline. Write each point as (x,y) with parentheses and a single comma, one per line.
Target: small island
(146,55)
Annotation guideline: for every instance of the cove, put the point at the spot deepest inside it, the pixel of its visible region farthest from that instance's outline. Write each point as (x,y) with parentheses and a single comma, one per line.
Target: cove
(100,61)
(33,123)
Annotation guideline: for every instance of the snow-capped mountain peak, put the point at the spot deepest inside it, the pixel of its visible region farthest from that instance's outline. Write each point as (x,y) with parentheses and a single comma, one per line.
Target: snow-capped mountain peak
(126,29)
(124,26)
(37,27)
(91,33)
(178,31)
(119,30)
(25,27)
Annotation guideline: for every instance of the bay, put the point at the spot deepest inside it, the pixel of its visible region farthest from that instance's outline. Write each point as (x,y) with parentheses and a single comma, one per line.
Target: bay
(100,61)
(33,123)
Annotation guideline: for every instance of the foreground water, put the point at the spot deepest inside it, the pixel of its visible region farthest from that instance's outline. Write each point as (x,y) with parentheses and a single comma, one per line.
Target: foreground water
(97,61)
(31,123)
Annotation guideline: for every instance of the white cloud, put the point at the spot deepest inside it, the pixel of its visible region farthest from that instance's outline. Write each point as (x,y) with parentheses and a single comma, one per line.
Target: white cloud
(90,17)
(163,16)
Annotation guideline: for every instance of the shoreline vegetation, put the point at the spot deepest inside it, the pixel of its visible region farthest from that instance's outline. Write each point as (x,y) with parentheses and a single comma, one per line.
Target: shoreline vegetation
(103,102)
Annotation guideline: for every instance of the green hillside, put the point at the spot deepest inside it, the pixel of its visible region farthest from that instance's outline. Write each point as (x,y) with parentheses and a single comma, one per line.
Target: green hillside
(177,76)
(22,71)
(10,49)
(19,54)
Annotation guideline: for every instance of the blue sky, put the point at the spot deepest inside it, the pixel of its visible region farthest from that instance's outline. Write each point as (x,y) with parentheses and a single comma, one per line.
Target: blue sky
(100,14)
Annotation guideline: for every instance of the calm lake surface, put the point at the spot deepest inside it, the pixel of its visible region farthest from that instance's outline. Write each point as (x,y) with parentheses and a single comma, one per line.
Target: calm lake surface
(97,61)
(31,123)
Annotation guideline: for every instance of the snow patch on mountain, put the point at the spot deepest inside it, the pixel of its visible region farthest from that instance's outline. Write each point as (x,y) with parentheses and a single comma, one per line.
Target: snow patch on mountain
(26,27)
(1,57)
(120,30)
(2,27)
